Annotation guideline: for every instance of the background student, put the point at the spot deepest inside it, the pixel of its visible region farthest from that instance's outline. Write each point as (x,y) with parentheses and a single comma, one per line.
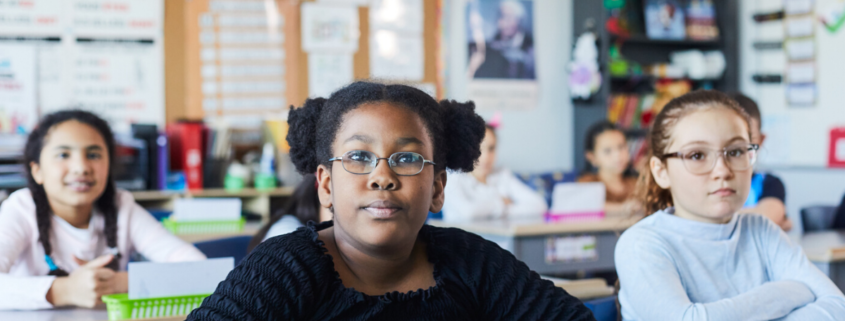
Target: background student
(768,194)
(381,153)
(694,257)
(64,239)
(607,153)
(303,206)
(487,193)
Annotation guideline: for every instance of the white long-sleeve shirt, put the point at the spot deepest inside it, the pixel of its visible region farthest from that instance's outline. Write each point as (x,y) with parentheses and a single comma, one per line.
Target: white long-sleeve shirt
(23,271)
(468,199)
(671,268)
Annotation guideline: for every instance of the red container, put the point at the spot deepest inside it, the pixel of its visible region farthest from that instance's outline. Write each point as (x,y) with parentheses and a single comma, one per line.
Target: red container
(836,156)
(186,151)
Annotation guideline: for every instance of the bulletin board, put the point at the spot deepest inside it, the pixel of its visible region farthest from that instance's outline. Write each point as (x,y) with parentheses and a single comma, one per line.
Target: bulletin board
(798,135)
(191,24)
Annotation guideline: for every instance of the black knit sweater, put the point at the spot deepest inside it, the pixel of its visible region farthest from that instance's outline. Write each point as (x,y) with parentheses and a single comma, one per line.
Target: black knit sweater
(291,277)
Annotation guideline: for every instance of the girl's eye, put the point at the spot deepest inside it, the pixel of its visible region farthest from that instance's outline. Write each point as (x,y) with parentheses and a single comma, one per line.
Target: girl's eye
(736,152)
(94,156)
(695,155)
(63,155)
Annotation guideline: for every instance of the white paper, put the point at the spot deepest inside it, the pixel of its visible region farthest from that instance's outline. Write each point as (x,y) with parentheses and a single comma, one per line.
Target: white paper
(42,17)
(802,72)
(796,7)
(138,18)
(502,94)
(404,16)
(801,49)
(329,28)
(362,3)
(158,280)
(800,27)
(571,249)
(17,89)
(236,5)
(578,198)
(327,73)
(801,95)
(395,56)
(206,209)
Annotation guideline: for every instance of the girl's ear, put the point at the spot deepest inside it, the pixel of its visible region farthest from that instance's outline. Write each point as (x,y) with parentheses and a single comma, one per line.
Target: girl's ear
(324,190)
(591,157)
(438,193)
(659,172)
(35,168)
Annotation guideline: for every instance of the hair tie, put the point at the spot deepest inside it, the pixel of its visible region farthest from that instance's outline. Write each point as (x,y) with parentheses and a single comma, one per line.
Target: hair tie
(496,121)
(50,263)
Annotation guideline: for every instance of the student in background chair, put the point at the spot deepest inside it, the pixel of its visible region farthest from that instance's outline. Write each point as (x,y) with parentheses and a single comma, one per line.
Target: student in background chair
(302,206)
(767,195)
(695,257)
(488,192)
(66,240)
(606,150)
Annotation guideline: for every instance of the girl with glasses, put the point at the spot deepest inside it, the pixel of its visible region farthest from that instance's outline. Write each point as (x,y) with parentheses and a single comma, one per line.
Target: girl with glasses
(488,192)
(694,257)
(380,154)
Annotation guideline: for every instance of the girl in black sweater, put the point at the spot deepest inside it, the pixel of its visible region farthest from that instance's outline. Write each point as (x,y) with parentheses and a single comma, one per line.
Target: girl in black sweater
(380,153)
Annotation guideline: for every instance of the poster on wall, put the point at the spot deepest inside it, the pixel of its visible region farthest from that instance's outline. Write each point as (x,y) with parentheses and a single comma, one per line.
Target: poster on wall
(17,89)
(501,64)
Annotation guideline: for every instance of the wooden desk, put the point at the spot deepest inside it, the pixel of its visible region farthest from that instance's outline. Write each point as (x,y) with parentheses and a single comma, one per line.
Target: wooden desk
(69,314)
(531,241)
(827,251)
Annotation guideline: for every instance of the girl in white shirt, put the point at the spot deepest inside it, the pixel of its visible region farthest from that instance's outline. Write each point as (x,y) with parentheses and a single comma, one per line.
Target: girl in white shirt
(64,239)
(488,193)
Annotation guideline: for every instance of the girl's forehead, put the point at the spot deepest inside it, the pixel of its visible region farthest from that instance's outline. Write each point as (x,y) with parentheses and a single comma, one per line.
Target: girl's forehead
(713,126)
(73,133)
(383,122)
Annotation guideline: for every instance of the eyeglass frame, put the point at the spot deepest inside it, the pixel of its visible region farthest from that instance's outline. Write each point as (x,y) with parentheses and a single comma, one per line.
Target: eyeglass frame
(377,159)
(723,155)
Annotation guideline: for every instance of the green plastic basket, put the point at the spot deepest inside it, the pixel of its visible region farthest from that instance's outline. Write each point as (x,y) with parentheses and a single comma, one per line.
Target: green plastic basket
(204,227)
(120,307)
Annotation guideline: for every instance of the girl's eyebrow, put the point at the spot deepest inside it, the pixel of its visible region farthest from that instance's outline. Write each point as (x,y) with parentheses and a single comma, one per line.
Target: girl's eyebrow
(92,147)
(405,141)
(360,137)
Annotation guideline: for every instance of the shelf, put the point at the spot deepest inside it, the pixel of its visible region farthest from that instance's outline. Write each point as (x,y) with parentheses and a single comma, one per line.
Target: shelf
(650,78)
(643,40)
(214,192)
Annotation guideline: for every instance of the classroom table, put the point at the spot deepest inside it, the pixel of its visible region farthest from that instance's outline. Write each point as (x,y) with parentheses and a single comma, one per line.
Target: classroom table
(533,241)
(827,251)
(68,314)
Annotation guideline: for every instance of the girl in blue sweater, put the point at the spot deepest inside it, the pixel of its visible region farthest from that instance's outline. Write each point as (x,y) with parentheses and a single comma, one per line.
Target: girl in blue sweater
(694,258)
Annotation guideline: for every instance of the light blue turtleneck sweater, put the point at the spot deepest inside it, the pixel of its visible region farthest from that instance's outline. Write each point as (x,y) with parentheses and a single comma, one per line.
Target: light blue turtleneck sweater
(672,268)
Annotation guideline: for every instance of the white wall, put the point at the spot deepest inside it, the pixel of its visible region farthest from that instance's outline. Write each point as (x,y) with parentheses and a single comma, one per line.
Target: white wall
(540,139)
(810,186)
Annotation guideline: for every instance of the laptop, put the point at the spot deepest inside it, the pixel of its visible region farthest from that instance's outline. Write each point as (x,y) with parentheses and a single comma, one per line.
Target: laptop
(577,201)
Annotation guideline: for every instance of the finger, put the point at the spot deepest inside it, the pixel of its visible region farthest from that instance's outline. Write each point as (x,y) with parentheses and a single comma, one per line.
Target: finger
(100,261)
(103,274)
(79,261)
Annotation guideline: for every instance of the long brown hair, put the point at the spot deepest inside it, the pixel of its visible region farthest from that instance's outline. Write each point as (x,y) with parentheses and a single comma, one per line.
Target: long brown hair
(654,197)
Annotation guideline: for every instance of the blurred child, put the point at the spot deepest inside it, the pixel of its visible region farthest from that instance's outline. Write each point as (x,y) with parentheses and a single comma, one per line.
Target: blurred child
(606,149)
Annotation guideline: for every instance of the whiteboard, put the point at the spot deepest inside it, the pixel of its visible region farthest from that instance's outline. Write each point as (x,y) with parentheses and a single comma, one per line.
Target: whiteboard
(796,136)
(100,55)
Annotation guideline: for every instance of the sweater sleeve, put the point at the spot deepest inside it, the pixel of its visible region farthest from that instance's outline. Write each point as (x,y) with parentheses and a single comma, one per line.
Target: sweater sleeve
(19,292)
(787,261)
(153,241)
(526,202)
(651,288)
(465,204)
(274,282)
(505,288)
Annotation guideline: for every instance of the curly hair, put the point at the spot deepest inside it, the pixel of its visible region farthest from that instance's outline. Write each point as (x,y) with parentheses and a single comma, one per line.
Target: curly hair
(455,129)
(106,204)
(653,196)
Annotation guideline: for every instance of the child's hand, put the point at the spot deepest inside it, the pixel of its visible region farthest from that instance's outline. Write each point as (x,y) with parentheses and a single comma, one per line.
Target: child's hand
(85,286)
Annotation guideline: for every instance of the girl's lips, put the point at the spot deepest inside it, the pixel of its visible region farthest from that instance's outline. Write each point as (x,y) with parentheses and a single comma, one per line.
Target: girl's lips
(724,192)
(80,186)
(382,209)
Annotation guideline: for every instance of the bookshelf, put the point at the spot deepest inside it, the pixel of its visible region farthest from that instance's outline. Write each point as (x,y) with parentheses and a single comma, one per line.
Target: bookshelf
(643,50)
